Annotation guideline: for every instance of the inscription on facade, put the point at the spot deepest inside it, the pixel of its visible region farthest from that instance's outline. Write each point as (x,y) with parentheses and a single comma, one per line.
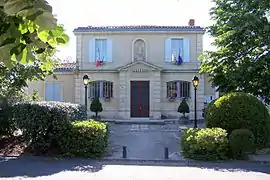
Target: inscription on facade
(140,70)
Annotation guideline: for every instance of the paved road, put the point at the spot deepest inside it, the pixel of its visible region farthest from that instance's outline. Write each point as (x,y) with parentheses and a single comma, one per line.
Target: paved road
(44,168)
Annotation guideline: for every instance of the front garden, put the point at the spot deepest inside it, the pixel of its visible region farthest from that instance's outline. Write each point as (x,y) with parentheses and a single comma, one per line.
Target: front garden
(237,124)
(51,128)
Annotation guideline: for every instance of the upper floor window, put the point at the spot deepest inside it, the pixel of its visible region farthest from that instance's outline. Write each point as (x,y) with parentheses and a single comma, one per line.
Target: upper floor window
(101,89)
(176,48)
(178,89)
(139,50)
(100,49)
(53,92)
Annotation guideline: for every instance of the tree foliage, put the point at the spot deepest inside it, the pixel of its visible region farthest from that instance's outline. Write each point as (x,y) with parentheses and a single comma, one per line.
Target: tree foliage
(242,38)
(29,33)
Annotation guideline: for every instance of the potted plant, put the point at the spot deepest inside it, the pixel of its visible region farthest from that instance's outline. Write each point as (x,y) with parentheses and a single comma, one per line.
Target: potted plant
(183,108)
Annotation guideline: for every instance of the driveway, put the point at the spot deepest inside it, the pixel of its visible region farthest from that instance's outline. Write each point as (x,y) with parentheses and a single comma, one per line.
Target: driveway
(145,141)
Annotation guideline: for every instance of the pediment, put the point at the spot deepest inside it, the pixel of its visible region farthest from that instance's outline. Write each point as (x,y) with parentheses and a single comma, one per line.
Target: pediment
(138,66)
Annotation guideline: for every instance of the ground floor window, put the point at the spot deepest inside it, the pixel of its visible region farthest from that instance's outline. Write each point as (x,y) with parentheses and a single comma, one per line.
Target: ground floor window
(178,89)
(101,89)
(53,92)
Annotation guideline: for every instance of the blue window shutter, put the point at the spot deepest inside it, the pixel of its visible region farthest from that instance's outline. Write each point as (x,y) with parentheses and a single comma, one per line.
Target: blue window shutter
(92,51)
(57,92)
(101,89)
(186,50)
(168,49)
(109,50)
(48,92)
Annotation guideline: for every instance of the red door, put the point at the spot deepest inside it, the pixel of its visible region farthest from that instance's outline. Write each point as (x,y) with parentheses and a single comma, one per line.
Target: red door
(139,99)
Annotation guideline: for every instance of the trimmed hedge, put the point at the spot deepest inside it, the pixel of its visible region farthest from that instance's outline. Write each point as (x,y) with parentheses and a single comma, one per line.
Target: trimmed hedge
(7,126)
(205,144)
(86,138)
(241,142)
(43,123)
(240,111)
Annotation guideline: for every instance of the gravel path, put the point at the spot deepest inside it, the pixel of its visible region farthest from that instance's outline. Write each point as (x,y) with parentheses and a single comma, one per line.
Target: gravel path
(44,168)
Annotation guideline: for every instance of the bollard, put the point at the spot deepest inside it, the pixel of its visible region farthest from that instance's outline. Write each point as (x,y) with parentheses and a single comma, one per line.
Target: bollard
(124,154)
(166,153)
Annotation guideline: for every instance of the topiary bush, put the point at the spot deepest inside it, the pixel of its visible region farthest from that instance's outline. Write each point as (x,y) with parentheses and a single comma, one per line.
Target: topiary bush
(240,111)
(86,138)
(183,107)
(96,106)
(205,144)
(241,141)
(43,123)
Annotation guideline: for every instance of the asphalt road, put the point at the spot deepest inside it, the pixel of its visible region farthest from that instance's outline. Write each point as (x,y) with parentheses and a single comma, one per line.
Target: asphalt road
(48,168)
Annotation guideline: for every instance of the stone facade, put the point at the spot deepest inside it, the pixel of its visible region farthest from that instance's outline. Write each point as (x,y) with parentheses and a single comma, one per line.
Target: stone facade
(137,55)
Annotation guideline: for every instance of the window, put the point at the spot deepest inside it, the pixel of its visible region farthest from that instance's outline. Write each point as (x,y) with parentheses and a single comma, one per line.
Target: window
(175,47)
(53,92)
(101,89)
(178,89)
(101,49)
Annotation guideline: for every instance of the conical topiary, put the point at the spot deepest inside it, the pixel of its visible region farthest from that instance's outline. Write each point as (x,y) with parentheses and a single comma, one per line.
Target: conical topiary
(96,106)
(183,107)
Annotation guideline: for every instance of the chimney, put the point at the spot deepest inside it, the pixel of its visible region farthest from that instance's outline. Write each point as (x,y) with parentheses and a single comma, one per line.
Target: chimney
(191,22)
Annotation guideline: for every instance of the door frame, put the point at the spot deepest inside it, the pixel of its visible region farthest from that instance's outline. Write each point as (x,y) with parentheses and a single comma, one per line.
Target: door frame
(130,97)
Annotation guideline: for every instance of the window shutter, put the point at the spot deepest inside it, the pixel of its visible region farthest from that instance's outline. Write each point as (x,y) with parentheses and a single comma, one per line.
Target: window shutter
(101,89)
(168,49)
(109,50)
(92,50)
(186,50)
(57,92)
(48,92)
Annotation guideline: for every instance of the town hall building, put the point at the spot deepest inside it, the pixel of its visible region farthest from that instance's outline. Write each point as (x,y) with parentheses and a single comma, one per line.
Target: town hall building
(135,71)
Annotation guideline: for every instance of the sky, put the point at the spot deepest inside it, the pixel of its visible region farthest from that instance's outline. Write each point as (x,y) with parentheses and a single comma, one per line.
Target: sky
(75,13)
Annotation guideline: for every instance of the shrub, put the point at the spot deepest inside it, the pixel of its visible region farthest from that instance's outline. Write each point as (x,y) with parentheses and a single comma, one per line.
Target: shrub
(7,126)
(96,106)
(43,123)
(86,138)
(240,111)
(241,141)
(205,144)
(183,107)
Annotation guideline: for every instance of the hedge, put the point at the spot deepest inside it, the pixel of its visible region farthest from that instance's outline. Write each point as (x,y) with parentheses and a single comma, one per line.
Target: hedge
(205,144)
(43,123)
(86,138)
(240,111)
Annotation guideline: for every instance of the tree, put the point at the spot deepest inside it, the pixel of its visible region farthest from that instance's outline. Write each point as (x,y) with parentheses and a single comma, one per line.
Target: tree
(29,33)
(96,106)
(183,107)
(242,39)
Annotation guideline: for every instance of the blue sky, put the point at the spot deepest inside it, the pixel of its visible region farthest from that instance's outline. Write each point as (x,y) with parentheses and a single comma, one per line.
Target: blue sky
(128,12)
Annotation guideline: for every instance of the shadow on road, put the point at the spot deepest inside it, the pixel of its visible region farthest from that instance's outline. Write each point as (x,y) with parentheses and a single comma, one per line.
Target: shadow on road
(39,166)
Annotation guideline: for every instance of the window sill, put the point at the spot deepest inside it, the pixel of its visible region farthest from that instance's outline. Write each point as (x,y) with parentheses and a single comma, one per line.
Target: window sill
(178,99)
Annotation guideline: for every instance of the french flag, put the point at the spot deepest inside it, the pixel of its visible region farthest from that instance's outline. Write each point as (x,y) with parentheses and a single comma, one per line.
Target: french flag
(99,61)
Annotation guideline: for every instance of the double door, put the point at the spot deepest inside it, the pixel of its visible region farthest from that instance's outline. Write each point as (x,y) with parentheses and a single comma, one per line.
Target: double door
(139,99)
